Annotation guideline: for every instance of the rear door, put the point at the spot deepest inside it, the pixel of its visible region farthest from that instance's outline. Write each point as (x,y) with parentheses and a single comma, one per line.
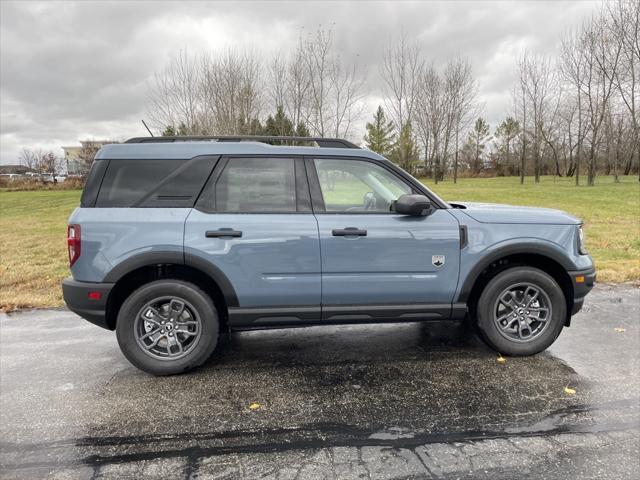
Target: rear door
(253,222)
(400,265)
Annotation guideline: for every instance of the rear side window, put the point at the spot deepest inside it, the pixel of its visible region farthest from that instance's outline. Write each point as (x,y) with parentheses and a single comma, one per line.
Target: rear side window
(259,185)
(154,183)
(92,185)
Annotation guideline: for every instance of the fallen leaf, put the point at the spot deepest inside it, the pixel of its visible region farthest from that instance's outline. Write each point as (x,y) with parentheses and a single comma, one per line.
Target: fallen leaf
(254,406)
(569,391)
(501,359)
(620,329)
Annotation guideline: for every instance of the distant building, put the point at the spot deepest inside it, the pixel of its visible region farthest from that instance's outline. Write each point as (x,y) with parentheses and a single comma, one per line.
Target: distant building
(73,154)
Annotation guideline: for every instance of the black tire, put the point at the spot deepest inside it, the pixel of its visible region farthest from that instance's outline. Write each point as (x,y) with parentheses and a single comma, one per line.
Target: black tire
(195,299)
(488,303)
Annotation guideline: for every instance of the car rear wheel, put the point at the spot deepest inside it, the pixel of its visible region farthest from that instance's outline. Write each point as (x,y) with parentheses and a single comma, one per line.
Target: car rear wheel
(167,327)
(521,311)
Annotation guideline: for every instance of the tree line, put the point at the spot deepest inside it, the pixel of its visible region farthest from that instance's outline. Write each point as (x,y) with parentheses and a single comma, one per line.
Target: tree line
(571,115)
(574,114)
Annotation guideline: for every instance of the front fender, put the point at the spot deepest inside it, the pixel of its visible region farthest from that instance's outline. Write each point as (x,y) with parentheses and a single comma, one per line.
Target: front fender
(497,252)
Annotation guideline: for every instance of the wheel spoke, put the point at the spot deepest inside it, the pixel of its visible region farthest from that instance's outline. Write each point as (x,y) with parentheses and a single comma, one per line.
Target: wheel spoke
(532,298)
(176,307)
(186,332)
(154,343)
(152,315)
(509,325)
(511,302)
(522,329)
(178,344)
(152,332)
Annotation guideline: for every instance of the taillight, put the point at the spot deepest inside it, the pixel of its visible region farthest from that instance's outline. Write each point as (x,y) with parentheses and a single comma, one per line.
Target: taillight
(73,243)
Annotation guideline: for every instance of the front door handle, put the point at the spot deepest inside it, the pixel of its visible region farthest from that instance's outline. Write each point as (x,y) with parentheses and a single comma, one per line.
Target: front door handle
(348,232)
(223,232)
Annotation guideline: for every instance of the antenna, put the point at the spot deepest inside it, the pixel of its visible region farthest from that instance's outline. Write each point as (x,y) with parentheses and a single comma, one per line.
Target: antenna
(145,126)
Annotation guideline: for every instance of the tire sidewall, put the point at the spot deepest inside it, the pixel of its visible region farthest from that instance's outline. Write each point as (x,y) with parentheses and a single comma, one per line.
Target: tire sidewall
(200,301)
(489,330)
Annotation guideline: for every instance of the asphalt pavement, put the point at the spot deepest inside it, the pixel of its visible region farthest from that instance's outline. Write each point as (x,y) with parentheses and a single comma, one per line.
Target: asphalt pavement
(419,400)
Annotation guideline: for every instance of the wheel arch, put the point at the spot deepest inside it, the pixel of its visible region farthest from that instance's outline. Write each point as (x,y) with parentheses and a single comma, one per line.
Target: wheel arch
(144,268)
(538,256)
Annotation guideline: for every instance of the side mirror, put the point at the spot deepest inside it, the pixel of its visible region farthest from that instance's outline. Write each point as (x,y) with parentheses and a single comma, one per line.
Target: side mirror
(412,205)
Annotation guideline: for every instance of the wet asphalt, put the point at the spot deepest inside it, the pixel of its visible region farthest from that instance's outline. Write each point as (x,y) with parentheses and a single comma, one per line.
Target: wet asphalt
(420,400)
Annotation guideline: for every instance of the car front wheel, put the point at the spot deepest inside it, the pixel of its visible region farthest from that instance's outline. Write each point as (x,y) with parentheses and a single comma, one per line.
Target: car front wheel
(167,327)
(521,311)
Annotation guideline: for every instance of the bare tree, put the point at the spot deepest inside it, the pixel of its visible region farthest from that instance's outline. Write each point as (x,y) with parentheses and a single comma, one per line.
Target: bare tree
(347,95)
(624,23)
(41,161)
(30,158)
(231,91)
(317,57)
(401,72)
(277,81)
(334,90)
(297,87)
(175,95)
(462,89)
(432,113)
(536,83)
(601,60)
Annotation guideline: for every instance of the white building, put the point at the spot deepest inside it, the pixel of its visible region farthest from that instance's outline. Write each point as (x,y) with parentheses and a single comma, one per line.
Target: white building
(78,158)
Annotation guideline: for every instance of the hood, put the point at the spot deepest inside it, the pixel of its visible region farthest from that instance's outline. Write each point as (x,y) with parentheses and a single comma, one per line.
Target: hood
(497,213)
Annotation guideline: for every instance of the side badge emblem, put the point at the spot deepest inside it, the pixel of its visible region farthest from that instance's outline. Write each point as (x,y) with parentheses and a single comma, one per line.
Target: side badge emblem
(437,260)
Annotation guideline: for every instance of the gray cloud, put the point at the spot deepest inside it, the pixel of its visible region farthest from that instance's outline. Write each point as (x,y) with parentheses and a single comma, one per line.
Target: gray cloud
(76,70)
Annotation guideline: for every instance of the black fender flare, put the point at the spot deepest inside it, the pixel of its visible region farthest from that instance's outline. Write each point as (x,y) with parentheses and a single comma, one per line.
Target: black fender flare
(175,257)
(530,248)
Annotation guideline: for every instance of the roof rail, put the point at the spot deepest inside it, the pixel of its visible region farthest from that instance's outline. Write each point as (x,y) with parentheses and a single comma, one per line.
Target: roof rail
(320,141)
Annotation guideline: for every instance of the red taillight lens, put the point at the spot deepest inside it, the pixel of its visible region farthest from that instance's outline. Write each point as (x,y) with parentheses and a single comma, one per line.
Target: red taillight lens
(73,243)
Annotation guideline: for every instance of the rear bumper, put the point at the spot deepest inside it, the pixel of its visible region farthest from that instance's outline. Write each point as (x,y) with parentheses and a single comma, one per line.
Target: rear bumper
(89,300)
(583,281)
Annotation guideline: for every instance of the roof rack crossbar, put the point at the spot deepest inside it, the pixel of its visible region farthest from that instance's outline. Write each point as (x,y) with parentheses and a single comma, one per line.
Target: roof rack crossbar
(322,142)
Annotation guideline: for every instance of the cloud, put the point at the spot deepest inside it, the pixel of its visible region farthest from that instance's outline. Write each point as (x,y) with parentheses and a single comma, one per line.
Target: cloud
(75,70)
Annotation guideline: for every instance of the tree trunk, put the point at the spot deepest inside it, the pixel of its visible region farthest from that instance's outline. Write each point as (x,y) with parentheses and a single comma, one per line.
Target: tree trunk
(455,163)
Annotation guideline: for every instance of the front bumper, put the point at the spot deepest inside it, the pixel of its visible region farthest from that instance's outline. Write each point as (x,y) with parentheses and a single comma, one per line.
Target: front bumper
(89,300)
(583,281)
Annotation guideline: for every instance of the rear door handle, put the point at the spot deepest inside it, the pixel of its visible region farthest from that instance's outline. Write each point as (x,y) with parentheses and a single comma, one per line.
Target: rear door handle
(223,232)
(348,232)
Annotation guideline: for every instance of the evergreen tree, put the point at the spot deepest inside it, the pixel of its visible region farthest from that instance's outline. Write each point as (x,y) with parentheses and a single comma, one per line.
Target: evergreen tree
(405,149)
(171,131)
(380,137)
(506,133)
(302,130)
(279,124)
(479,137)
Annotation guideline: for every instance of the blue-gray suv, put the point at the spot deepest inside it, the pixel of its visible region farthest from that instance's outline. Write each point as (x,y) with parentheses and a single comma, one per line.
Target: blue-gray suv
(178,239)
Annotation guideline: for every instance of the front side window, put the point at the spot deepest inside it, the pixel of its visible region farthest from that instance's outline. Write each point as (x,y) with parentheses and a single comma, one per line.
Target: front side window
(260,185)
(357,186)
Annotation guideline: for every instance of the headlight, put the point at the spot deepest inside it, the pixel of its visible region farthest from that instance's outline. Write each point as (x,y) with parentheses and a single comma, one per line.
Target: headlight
(581,248)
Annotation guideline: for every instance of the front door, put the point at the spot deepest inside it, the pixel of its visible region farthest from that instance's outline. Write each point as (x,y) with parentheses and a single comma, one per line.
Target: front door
(254,224)
(398,265)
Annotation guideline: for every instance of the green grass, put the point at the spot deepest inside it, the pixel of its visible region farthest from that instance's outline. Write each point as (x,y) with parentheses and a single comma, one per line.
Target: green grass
(33,252)
(33,256)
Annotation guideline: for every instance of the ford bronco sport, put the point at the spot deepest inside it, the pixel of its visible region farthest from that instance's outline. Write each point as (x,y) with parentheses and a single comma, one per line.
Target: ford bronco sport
(178,239)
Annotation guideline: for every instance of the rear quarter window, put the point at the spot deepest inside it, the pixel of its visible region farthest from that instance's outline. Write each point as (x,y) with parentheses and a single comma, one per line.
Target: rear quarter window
(154,183)
(92,185)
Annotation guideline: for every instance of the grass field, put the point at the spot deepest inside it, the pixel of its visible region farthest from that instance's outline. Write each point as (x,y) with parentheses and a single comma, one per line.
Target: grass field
(33,256)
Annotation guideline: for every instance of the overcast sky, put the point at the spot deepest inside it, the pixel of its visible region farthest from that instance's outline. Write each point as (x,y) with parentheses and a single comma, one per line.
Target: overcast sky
(79,70)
